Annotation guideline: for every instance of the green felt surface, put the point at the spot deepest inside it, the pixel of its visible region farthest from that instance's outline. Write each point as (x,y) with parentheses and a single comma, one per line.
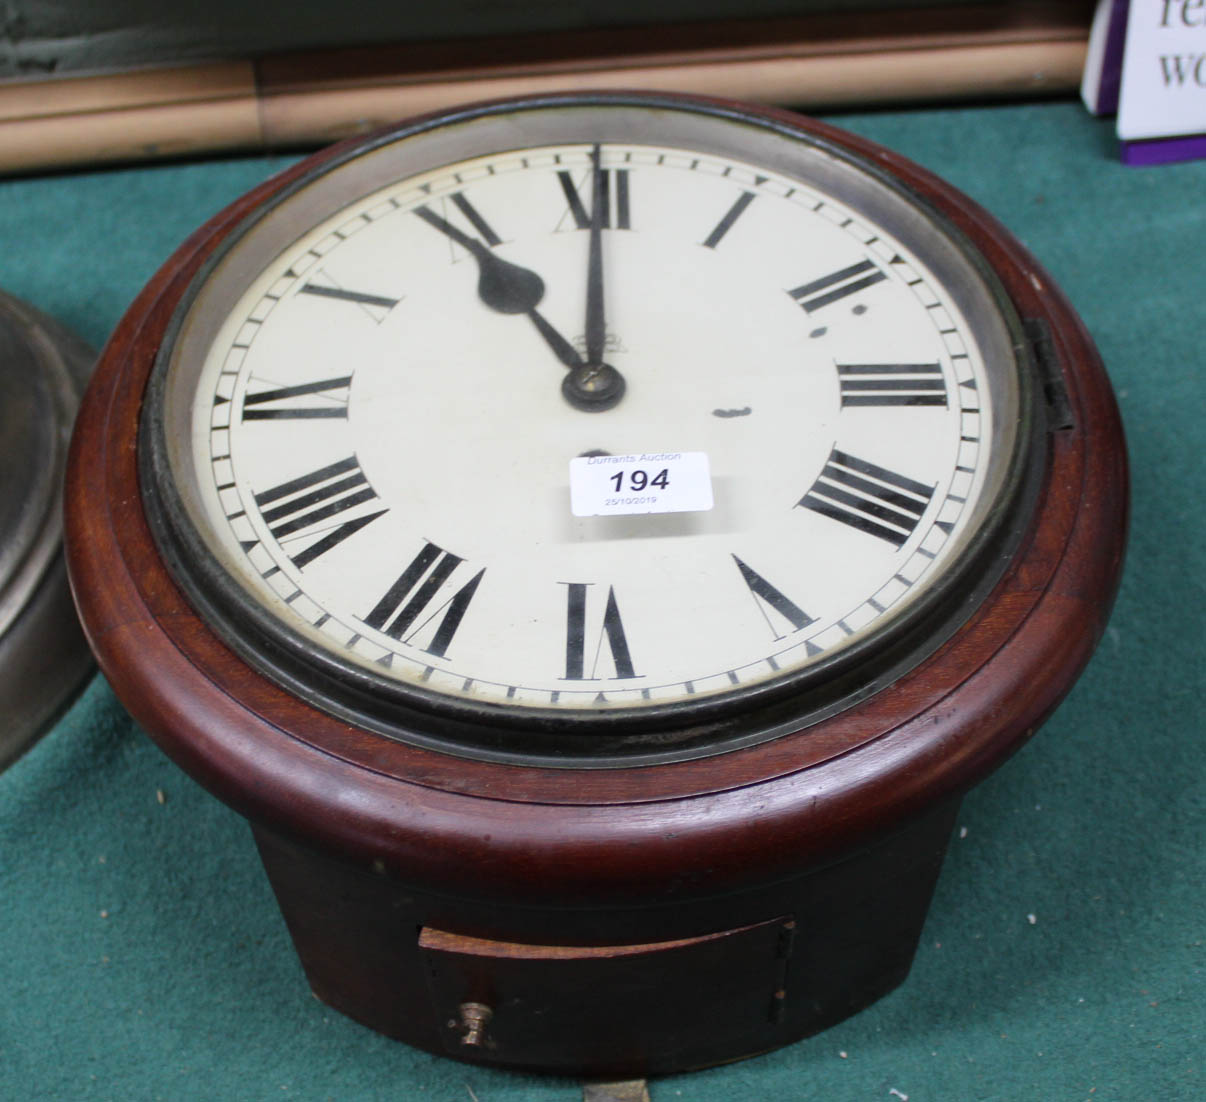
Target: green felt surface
(142,953)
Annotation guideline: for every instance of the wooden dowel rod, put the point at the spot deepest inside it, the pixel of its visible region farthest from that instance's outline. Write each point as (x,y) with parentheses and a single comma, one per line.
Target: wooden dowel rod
(303,100)
(813,83)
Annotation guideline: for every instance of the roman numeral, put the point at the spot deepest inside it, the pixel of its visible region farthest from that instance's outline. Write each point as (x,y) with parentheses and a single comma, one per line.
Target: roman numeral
(615,199)
(296,511)
(726,223)
(458,236)
(611,631)
(872,499)
(282,404)
(775,599)
(376,306)
(417,590)
(837,285)
(475,219)
(891,385)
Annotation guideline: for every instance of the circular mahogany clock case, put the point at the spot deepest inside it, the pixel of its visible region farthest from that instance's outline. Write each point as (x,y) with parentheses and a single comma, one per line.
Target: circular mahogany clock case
(596,540)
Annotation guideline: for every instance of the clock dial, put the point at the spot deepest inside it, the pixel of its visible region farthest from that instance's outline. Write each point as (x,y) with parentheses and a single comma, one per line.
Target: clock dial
(381,406)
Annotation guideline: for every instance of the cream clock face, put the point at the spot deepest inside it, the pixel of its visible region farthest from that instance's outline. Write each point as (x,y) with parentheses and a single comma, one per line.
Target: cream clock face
(376,416)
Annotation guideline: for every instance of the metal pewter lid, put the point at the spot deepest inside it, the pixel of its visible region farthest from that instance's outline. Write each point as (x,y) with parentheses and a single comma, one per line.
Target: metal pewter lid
(44,659)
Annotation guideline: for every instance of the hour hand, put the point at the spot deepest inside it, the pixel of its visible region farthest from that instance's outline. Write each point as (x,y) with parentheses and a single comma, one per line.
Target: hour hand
(506,287)
(501,285)
(510,289)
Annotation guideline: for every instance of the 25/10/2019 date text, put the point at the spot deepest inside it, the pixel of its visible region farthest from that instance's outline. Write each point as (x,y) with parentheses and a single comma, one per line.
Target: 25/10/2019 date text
(612,502)
(639,480)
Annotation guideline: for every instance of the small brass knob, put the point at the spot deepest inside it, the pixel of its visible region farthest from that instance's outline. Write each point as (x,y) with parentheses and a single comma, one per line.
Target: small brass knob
(474,1019)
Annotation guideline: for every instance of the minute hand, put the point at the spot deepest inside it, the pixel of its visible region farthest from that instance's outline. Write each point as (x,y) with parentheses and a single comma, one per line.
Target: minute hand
(506,287)
(595,386)
(596,325)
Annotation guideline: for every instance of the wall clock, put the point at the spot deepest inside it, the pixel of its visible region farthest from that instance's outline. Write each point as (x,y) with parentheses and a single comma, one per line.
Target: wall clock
(596,539)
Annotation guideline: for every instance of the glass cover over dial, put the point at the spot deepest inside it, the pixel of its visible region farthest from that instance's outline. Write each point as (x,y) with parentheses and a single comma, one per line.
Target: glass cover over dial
(374,396)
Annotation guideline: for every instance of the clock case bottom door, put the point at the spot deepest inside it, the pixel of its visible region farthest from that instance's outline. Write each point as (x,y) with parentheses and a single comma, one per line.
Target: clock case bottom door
(610,991)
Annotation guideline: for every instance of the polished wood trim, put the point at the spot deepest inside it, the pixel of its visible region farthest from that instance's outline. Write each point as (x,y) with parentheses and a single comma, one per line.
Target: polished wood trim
(444,941)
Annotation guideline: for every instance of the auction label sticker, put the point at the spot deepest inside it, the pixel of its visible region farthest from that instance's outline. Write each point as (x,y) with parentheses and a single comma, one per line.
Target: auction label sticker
(652,482)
